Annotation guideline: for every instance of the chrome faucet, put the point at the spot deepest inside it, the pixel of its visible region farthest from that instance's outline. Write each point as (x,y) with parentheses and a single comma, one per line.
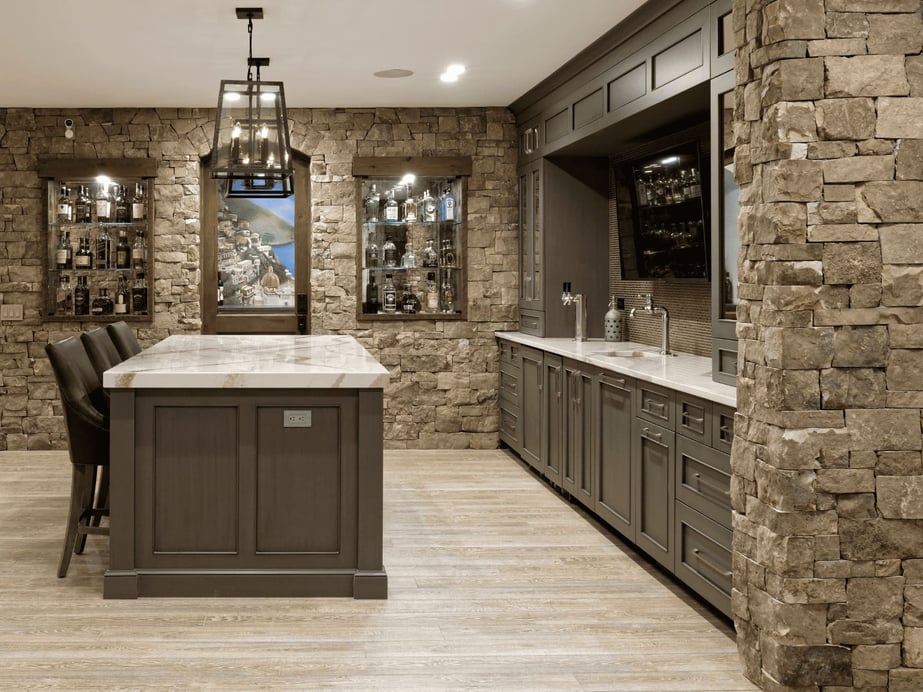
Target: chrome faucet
(649,309)
(579,302)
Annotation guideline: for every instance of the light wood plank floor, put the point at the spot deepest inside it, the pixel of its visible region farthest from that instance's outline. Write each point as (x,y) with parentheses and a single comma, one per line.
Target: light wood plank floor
(496,583)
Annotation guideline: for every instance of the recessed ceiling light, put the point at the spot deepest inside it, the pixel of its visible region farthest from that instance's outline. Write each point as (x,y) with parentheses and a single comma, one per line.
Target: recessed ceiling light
(452,72)
(393,74)
(446,77)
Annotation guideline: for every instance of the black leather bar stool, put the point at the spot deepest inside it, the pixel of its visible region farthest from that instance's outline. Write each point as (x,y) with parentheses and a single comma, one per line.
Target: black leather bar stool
(124,339)
(88,440)
(101,350)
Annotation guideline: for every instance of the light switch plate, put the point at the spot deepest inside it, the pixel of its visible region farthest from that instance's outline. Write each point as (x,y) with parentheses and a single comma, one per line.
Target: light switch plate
(296,418)
(10,312)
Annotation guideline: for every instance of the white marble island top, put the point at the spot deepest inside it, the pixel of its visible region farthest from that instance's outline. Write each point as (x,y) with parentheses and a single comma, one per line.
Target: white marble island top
(283,361)
(683,372)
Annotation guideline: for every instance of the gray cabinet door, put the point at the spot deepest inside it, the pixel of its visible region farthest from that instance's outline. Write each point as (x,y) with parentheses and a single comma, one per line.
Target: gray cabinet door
(613,426)
(578,434)
(553,417)
(652,474)
(530,237)
(530,406)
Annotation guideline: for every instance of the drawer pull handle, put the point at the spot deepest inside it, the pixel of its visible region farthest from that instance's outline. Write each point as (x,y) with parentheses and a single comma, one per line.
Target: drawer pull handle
(658,405)
(727,433)
(652,436)
(711,486)
(616,380)
(688,416)
(709,563)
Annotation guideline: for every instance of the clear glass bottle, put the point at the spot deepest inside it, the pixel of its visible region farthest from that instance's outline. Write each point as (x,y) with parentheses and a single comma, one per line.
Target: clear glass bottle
(448,253)
(83,207)
(121,204)
(447,206)
(68,296)
(447,295)
(81,297)
(372,204)
(389,253)
(220,288)
(139,295)
(123,251)
(65,212)
(392,211)
(430,256)
(63,256)
(103,255)
(431,293)
(372,258)
(389,295)
(139,250)
(103,203)
(372,305)
(60,296)
(83,259)
(428,207)
(409,260)
(138,205)
(122,297)
(410,208)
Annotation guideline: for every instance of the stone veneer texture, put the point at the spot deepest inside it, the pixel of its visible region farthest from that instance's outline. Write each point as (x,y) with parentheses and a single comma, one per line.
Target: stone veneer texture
(827,484)
(443,384)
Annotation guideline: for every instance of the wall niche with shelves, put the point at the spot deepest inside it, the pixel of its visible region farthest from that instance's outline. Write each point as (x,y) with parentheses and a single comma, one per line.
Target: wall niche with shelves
(411,240)
(99,257)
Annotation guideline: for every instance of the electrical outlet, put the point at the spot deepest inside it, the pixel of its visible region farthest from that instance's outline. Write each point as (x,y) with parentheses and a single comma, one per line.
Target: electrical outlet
(296,419)
(10,312)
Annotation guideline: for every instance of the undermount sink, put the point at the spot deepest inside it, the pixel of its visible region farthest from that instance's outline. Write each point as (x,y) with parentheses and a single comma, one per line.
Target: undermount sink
(631,353)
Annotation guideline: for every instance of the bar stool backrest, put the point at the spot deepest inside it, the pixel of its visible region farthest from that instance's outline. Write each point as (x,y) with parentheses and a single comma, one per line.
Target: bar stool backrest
(101,351)
(124,339)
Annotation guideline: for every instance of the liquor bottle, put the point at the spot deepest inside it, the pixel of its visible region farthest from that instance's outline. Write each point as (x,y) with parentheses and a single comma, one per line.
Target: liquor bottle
(60,296)
(389,253)
(65,205)
(389,295)
(695,185)
(123,251)
(447,206)
(139,250)
(430,256)
(120,203)
(81,297)
(685,184)
(428,207)
(220,288)
(139,295)
(372,204)
(68,297)
(431,293)
(448,253)
(447,295)
(84,258)
(409,260)
(103,203)
(122,296)
(102,304)
(410,304)
(63,256)
(103,249)
(83,208)
(371,295)
(410,208)
(392,211)
(371,252)
(138,207)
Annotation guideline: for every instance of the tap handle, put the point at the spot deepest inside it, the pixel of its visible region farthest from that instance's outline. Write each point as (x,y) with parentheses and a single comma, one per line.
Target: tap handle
(648,299)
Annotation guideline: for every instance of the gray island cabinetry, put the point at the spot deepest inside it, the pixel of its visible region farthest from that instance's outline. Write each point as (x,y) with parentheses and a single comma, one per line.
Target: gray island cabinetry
(247,466)
(639,439)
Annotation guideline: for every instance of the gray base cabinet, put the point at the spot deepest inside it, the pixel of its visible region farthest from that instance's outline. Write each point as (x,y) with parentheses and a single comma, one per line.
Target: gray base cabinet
(651,462)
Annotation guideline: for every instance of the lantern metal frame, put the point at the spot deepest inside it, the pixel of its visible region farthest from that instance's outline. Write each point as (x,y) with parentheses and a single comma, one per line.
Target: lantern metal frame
(252,146)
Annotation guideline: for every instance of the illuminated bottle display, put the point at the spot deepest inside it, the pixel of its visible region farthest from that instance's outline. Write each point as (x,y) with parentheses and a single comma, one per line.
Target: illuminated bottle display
(138,205)
(103,203)
(65,205)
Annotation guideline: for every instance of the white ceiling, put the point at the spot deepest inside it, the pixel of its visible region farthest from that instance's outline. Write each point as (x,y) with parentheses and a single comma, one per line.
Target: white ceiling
(110,53)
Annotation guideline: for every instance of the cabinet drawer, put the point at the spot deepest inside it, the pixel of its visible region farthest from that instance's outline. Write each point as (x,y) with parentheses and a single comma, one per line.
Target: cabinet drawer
(722,428)
(509,427)
(694,418)
(508,352)
(703,556)
(532,322)
(703,479)
(656,404)
(509,383)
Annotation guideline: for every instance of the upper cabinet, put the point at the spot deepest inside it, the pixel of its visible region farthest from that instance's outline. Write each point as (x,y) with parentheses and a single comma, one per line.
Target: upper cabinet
(99,249)
(722,37)
(412,239)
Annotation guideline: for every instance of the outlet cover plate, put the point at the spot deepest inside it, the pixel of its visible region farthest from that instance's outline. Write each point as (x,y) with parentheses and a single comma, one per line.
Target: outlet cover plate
(299,418)
(11,312)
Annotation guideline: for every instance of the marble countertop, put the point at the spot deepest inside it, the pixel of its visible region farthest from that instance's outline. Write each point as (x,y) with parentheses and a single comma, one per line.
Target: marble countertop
(683,372)
(248,362)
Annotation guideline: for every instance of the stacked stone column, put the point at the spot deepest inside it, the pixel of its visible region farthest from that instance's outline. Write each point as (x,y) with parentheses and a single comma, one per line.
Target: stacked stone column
(827,476)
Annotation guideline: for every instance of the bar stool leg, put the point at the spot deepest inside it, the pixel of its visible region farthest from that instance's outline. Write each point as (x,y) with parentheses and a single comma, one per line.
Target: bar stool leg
(81,489)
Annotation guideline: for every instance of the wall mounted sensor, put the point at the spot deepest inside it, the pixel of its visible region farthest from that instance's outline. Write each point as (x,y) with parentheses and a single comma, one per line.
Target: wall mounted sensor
(69,128)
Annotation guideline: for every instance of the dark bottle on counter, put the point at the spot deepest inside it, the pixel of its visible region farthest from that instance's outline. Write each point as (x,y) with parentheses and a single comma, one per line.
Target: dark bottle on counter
(123,251)
(371,296)
(102,304)
(389,295)
(120,203)
(84,258)
(81,297)
(139,295)
(63,256)
(122,297)
(83,208)
(103,249)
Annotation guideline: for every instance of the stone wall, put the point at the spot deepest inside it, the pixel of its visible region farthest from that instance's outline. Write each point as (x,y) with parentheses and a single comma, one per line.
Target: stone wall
(827,482)
(443,384)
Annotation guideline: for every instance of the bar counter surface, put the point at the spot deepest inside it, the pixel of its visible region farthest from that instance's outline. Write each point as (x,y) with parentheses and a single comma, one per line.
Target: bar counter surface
(247,466)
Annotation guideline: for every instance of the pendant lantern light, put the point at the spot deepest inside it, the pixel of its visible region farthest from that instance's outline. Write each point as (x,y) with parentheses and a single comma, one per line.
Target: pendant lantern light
(252,150)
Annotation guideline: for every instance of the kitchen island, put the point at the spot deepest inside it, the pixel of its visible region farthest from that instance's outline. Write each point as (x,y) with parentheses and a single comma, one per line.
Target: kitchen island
(247,466)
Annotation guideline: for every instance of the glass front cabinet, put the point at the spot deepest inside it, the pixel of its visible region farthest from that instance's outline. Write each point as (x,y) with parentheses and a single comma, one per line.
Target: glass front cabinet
(411,243)
(99,246)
